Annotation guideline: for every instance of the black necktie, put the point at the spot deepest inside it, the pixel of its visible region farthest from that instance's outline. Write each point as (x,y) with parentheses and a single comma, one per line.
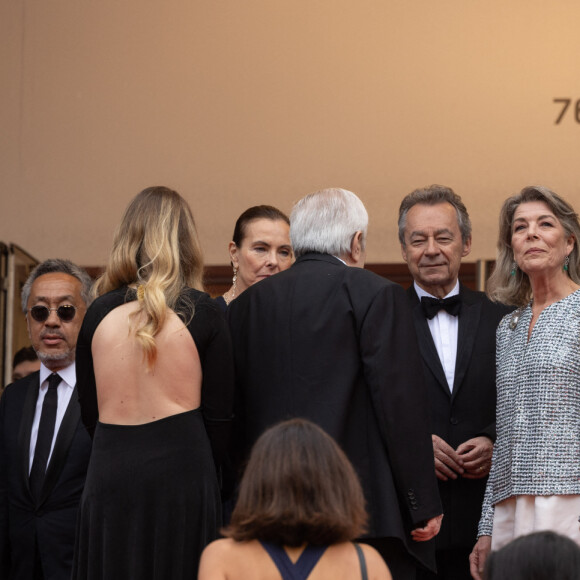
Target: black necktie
(45,434)
(431,306)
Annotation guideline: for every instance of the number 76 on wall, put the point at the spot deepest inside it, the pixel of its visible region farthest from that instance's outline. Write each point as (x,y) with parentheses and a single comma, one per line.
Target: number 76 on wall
(565,104)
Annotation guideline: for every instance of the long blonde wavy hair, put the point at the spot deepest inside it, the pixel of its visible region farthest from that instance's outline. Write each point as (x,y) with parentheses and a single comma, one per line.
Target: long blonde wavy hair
(155,250)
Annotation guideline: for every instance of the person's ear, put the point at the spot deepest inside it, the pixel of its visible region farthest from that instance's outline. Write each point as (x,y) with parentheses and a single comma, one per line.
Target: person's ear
(466,247)
(233,254)
(357,252)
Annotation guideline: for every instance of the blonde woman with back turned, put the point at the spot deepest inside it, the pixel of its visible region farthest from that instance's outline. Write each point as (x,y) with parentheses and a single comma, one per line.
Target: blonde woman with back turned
(154,367)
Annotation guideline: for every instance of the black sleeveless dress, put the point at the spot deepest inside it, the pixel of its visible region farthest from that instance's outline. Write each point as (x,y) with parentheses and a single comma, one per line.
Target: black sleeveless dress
(151,501)
(301,569)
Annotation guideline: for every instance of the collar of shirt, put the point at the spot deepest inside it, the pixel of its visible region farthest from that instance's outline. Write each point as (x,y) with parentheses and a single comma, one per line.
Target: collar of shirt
(340,260)
(421,292)
(68,376)
(444,330)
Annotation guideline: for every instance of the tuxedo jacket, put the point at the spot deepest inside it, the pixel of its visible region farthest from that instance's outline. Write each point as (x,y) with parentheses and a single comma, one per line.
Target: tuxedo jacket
(468,410)
(335,344)
(50,522)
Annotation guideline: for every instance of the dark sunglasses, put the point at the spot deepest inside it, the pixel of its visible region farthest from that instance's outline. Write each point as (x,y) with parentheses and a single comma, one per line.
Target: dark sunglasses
(41,313)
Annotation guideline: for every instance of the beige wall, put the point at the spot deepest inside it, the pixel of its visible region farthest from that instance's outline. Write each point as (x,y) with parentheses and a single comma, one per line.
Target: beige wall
(235,103)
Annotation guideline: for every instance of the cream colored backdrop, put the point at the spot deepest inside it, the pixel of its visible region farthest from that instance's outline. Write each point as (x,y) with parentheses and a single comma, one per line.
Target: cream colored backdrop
(239,102)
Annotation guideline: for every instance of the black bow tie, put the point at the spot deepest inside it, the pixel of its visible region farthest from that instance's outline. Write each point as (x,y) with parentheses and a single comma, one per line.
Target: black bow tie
(431,306)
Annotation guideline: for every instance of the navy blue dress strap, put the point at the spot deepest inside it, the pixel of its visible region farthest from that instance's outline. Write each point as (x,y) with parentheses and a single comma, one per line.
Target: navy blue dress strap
(303,566)
(363,563)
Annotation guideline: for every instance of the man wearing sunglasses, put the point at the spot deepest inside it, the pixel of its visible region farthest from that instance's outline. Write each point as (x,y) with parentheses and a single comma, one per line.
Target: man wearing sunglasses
(44,448)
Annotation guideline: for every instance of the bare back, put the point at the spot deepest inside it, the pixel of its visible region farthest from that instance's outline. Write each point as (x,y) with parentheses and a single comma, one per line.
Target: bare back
(227,559)
(130,394)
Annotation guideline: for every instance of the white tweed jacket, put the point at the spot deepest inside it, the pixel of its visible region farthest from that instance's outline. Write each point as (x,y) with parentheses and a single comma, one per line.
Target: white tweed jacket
(537,451)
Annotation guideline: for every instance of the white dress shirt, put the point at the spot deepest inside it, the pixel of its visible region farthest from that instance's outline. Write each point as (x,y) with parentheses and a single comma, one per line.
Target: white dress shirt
(64,392)
(444,329)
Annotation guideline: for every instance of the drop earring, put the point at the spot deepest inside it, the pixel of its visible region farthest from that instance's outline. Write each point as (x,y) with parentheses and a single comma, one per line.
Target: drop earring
(566,262)
(234,282)
(514,268)
(231,293)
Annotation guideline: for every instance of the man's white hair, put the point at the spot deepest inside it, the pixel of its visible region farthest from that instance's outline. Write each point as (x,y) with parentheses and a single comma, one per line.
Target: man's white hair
(325,222)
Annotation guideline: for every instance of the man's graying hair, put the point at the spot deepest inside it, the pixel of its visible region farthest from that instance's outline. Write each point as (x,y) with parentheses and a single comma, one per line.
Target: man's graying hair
(58,266)
(326,221)
(433,195)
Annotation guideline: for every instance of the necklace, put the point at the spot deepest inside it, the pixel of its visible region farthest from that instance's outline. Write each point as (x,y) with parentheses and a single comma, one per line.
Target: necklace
(227,297)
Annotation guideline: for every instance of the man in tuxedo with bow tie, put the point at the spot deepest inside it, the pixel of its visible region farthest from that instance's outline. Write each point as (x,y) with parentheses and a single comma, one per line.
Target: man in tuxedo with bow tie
(456,331)
(44,447)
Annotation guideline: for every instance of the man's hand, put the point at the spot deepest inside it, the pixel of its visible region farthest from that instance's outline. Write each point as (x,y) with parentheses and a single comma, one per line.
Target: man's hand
(478,556)
(448,463)
(476,457)
(430,530)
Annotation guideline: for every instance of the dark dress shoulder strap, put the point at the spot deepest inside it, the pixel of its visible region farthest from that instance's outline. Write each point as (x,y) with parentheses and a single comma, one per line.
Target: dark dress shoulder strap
(363,563)
(303,566)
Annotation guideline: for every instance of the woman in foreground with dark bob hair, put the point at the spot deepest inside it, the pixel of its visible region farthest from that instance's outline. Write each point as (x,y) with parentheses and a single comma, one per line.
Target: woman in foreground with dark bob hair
(299,508)
(538,556)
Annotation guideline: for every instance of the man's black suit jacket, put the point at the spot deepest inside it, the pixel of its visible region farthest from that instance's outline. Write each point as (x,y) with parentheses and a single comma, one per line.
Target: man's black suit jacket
(52,521)
(466,412)
(336,345)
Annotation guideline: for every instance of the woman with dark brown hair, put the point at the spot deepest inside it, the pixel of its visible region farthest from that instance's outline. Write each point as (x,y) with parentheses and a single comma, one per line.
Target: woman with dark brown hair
(260,248)
(538,556)
(299,508)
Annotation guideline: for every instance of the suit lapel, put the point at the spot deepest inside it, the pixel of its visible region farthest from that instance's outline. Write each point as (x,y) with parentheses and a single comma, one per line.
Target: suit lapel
(426,343)
(62,444)
(26,427)
(468,324)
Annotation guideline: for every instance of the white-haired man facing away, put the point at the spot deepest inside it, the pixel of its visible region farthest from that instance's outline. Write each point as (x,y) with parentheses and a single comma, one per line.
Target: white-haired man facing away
(334,343)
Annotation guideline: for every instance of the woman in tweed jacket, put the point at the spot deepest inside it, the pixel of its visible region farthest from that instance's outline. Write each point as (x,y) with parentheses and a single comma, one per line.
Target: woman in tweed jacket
(534,481)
